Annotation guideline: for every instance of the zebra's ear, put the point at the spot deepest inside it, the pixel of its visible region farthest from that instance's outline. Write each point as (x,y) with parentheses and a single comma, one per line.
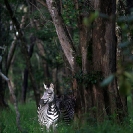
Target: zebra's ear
(45,87)
(51,86)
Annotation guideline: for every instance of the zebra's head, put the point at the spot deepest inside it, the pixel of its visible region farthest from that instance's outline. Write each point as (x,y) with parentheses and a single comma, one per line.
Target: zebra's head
(48,95)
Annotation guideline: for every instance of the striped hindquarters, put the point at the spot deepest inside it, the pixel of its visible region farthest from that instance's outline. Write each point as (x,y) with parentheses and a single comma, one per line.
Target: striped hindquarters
(67,109)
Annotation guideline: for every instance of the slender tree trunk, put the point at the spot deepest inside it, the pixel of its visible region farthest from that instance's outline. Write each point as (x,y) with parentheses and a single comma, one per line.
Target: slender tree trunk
(2,95)
(2,90)
(11,53)
(41,52)
(24,85)
(26,73)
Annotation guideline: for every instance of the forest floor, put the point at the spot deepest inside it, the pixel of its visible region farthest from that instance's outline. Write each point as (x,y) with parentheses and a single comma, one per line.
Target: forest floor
(29,123)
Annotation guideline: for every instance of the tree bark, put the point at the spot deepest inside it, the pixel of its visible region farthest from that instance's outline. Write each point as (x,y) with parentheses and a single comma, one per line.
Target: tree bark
(14,100)
(107,100)
(26,72)
(41,52)
(64,38)
(2,90)
(11,53)
(24,85)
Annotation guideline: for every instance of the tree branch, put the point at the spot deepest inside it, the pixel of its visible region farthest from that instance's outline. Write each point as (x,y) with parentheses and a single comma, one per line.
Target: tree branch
(16,23)
(11,53)
(14,98)
(64,38)
(41,2)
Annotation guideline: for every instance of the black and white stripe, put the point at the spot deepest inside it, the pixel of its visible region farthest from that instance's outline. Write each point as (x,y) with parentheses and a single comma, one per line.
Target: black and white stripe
(48,113)
(67,108)
(52,108)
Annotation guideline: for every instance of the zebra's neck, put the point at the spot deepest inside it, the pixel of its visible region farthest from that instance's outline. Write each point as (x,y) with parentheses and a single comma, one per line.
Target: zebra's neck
(52,106)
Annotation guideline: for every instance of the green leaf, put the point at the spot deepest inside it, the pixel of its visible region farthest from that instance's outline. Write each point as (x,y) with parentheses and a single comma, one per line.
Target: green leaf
(108,80)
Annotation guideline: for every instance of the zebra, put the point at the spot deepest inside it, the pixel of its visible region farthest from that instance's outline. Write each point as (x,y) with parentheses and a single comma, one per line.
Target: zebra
(67,108)
(48,113)
(55,108)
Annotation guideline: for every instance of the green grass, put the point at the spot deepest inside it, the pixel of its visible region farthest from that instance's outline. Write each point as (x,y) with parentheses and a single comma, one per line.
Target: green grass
(29,123)
(28,119)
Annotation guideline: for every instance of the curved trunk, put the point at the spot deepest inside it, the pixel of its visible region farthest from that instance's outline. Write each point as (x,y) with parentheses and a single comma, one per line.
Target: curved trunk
(64,38)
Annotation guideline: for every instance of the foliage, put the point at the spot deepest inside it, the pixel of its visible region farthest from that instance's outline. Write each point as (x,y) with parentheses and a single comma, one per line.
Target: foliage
(125,66)
(93,77)
(69,13)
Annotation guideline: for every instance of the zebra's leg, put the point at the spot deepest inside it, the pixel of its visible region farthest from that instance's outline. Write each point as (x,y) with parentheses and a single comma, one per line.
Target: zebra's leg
(54,128)
(42,129)
(48,128)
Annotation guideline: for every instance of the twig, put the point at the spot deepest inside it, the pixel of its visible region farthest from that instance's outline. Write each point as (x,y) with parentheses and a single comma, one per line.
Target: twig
(38,10)
(11,53)
(41,2)
(3,76)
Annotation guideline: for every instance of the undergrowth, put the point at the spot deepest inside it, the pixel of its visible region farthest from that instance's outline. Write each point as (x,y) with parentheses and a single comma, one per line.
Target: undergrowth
(29,123)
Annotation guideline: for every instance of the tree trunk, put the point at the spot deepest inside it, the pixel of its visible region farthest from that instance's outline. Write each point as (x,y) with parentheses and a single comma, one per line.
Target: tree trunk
(2,90)
(64,38)
(107,100)
(84,40)
(11,53)
(24,85)
(69,51)
(41,52)
(26,73)
(2,102)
